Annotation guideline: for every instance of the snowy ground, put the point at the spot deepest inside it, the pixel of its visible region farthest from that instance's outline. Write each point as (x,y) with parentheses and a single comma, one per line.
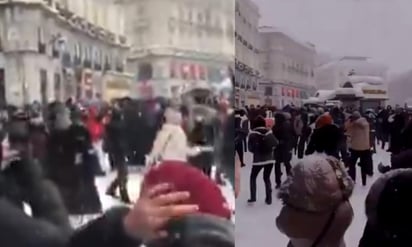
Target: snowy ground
(256,226)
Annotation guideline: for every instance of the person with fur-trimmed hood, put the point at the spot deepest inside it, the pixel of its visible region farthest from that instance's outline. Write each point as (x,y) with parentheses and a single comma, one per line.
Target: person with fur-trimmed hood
(262,142)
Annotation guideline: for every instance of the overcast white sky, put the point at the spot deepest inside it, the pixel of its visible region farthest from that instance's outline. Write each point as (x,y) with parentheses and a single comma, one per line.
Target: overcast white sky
(381,29)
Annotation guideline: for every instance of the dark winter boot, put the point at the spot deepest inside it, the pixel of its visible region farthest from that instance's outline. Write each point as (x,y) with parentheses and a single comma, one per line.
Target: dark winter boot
(124,195)
(268,200)
(111,191)
(382,168)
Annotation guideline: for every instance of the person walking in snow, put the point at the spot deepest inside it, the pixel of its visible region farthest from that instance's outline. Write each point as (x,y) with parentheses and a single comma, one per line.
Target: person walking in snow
(262,142)
(116,146)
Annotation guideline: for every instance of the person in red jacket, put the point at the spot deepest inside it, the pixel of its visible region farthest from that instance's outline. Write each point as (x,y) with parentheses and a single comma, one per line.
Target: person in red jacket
(94,126)
(96,130)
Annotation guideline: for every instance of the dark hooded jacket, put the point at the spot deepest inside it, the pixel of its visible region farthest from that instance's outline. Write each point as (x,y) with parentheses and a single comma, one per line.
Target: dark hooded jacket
(403,159)
(325,139)
(284,133)
(261,143)
(115,139)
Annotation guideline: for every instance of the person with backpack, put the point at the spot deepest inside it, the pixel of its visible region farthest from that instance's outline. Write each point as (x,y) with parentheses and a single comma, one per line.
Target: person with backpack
(261,144)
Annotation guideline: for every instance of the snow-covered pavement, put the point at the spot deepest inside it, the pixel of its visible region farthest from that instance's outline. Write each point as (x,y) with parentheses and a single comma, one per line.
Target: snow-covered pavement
(255,224)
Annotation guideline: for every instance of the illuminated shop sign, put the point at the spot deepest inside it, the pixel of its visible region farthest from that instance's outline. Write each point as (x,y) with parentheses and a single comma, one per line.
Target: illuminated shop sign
(374,91)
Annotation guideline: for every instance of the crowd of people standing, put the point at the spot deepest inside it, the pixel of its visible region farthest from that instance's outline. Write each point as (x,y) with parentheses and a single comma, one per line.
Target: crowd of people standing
(52,155)
(329,143)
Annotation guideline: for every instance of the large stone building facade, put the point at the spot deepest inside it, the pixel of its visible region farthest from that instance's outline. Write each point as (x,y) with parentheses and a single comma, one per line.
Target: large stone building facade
(49,52)
(108,14)
(178,42)
(287,68)
(247,70)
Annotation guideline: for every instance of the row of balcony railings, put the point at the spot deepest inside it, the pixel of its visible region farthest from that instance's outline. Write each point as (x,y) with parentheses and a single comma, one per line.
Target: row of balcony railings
(86,26)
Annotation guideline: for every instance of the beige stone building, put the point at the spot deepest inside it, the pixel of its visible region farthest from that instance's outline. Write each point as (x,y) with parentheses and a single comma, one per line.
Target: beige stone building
(52,50)
(288,66)
(247,64)
(178,42)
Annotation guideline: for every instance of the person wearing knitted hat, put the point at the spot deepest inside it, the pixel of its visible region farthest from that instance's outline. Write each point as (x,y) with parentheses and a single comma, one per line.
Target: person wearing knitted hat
(316,209)
(210,225)
(324,119)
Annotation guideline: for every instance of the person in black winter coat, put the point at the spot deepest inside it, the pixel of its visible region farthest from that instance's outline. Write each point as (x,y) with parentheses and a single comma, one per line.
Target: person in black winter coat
(283,132)
(262,142)
(397,122)
(116,147)
(72,166)
(241,132)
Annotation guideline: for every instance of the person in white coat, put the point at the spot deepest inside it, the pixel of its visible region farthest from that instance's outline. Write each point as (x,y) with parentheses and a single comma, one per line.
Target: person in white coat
(171,140)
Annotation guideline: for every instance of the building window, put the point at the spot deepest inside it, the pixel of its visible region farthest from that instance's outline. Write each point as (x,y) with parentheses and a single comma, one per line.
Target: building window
(145,72)
(190,16)
(199,18)
(172,25)
(40,42)
(202,72)
(119,65)
(268,91)
(2,88)
(207,16)
(57,86)
(43,86)
(173,70)
(107,63)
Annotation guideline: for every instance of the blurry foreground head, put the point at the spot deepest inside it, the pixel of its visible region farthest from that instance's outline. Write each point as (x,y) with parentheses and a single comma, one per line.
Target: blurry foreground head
(318,188)
(210,227)
(388,209)
(185,177)
(355,115)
